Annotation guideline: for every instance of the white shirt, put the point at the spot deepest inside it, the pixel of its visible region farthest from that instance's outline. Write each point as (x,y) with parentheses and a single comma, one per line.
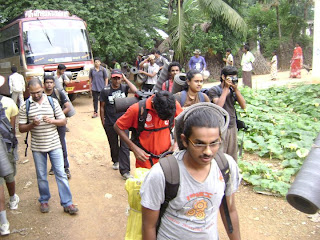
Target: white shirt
(246,62)
(152,69)
(16,83)
(229,59)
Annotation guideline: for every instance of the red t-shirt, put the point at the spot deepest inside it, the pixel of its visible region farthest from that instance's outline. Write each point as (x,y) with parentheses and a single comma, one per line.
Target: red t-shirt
(155,142)
(170,85)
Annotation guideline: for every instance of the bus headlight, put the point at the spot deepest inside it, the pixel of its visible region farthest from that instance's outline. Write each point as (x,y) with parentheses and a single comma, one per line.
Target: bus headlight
(84,73)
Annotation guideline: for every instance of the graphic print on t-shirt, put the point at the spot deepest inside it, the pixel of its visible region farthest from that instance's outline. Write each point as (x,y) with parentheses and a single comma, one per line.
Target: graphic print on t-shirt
(199,207)
(149,123)
(116,94)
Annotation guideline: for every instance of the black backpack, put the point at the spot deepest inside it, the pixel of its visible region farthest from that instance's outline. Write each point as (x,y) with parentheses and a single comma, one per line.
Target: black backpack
(135,132)
(171,172)
(6,130)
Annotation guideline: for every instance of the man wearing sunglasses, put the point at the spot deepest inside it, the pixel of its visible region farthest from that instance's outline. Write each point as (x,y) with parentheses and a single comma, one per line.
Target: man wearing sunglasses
(119,153)
(226,95)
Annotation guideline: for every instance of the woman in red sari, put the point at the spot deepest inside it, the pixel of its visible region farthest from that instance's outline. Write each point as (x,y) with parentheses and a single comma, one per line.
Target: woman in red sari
(296,62)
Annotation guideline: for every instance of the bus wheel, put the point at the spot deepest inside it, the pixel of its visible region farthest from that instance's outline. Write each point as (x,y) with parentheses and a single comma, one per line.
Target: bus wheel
(72,96)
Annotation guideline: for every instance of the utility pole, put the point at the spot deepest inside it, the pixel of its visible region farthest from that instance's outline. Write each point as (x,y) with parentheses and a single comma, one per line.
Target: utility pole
(316,43)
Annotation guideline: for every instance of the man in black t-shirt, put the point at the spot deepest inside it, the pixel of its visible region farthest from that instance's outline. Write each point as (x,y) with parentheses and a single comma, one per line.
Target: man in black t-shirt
(225,95)
(120,154)
(50,90)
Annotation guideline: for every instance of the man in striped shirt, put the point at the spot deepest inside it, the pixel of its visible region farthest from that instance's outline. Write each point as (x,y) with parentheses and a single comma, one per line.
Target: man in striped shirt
(42,119)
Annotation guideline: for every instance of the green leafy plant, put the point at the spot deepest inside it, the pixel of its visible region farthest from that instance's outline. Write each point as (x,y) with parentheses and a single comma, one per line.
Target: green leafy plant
(283,123)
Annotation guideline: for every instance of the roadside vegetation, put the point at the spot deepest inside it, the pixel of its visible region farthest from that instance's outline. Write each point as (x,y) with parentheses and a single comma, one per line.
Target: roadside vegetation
(283,123)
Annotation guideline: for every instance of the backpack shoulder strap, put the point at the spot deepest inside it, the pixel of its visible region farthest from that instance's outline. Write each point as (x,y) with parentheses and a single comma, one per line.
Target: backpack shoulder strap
(171,172)
(27,109)
(143,112)
(50,99)
(201,96)
(223,165)
(218,89)
(57,93)
(27,135)
(167,85)
(183,98)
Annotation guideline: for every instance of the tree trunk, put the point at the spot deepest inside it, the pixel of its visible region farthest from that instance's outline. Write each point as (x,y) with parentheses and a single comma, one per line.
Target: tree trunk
(280,38)
(305,13)
(170,8)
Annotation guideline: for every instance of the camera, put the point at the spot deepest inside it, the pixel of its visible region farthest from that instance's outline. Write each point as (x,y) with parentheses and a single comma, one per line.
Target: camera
(234,79)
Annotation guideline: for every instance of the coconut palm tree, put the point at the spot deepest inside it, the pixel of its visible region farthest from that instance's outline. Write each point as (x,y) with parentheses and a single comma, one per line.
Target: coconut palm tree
(181,11)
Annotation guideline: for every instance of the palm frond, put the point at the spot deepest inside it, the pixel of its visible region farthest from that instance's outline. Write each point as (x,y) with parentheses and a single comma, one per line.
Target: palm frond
(218,8)
(178,25)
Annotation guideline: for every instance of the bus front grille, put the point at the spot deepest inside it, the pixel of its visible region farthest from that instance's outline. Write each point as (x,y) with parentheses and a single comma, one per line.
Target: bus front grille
(74,75)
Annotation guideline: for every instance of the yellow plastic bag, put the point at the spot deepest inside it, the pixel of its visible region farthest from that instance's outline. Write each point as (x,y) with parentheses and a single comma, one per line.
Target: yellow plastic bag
(133,185)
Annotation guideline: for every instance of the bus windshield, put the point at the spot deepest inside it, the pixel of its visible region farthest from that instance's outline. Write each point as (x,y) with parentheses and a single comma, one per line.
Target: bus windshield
(55,41)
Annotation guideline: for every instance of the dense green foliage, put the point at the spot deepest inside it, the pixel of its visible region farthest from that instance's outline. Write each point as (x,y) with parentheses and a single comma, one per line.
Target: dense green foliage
(283,123)
(292,23)
(120,29)
(204,25)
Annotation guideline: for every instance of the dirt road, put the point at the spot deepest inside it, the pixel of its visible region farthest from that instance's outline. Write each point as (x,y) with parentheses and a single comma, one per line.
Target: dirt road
(99,193)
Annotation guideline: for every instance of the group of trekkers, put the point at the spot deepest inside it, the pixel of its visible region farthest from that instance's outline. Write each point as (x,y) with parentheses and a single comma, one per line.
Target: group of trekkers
(197,128)
(197,146)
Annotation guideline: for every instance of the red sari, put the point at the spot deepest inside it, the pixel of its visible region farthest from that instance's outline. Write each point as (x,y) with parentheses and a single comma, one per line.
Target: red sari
(296,63)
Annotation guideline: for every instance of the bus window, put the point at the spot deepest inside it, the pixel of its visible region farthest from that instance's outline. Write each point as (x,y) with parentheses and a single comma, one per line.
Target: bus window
(8,48)
(54,41)
(16,47)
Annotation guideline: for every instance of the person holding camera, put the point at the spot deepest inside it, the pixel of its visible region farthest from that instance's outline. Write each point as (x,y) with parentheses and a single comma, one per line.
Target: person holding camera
(225,95)
(119,151)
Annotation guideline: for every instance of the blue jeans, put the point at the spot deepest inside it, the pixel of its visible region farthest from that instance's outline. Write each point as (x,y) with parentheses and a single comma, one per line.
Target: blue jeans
(56,158)
(62,136)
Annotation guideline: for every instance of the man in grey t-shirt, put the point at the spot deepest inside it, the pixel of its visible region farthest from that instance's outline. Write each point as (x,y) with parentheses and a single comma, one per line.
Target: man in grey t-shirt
(193,213)
(99,79)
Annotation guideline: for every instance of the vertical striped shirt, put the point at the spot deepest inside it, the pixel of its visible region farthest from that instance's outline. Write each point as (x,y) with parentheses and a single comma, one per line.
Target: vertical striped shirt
(44,138)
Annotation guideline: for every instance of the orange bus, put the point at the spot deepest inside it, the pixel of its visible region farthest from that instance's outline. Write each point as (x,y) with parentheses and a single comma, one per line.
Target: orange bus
(39,40)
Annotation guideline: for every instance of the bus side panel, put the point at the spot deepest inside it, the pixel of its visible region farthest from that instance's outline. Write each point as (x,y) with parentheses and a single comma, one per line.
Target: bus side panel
(5,71)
